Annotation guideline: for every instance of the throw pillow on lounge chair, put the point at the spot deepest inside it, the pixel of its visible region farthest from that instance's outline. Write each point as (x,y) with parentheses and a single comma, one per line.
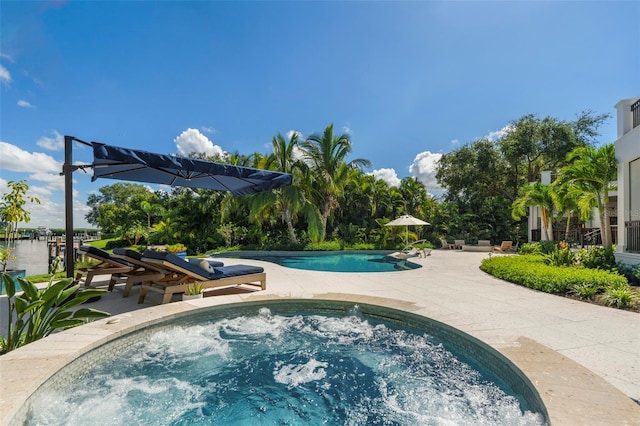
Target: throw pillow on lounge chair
(207,265)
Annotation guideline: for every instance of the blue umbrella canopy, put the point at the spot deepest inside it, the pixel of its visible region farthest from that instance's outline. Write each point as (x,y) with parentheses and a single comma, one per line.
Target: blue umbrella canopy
(112,162)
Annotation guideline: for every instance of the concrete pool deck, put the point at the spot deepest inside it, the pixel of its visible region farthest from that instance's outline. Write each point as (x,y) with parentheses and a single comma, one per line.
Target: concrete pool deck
(583,359)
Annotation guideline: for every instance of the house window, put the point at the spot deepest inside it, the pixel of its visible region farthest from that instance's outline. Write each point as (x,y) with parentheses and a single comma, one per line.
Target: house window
(634,189)
(635,111)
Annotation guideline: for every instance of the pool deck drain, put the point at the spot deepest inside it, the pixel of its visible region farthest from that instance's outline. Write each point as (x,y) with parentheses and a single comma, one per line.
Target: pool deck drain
(583,359)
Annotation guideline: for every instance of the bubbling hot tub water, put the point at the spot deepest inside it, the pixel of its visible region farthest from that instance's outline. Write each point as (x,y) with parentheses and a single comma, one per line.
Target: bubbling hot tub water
(283,368)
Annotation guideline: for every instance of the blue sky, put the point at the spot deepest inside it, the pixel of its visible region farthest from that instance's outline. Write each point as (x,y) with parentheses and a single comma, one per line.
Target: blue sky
(408,81)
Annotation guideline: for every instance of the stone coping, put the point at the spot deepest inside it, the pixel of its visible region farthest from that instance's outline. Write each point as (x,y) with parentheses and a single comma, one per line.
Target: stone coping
(571,393)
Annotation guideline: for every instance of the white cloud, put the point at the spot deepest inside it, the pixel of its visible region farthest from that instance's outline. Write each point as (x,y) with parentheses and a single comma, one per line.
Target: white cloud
(5,75)
(54,181)
(495,135)
(297,152)
(207,129)
(388,175)
(15,159)
(455,142)
(290,134)
(24,104)
(424,169)
(191,140)
(55,143)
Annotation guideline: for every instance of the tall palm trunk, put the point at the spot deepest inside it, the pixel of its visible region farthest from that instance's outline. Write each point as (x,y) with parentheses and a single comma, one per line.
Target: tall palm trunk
(287,217)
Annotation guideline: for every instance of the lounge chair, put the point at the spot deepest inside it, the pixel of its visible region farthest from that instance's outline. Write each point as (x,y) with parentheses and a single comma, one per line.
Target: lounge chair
(182,273)
(505,247)
(411,250)
(445,244)
(107,265)
(144,272)
(457,244)
(484,243)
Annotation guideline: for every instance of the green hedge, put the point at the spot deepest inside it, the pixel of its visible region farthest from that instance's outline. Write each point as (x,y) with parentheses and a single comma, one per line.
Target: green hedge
(531,271)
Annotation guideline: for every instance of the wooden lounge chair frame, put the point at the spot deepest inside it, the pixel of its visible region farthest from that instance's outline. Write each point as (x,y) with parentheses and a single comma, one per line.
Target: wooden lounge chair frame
(506,246)
(178,278)
(107,264)
(457,244)
(145,272)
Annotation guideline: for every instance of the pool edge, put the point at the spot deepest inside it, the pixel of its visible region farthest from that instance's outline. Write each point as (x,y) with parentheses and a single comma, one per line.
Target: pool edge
(571,393)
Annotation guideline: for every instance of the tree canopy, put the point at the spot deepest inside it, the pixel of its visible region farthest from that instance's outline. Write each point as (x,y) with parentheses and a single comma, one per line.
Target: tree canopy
(334,198)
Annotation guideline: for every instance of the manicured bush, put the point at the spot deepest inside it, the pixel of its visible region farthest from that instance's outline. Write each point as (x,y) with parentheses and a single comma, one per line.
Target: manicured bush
(530,248)
(361,246)
(530,271)
(598,258)
(324,246)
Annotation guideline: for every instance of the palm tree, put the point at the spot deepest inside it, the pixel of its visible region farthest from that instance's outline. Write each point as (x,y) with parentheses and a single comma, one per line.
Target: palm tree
(591,171)
(415,196)
(537,195)
(288,201)
(151,210)
(327,155)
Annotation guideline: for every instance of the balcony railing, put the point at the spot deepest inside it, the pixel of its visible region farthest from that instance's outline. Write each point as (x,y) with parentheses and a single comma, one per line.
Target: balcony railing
(635,110)
(633,236)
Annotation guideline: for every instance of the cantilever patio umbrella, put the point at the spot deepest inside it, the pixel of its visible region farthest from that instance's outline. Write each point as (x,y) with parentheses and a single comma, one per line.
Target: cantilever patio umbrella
(112,162)
(405,221)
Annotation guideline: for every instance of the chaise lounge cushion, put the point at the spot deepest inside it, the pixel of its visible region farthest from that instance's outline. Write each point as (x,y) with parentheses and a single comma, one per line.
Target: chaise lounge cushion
(99,253)
(234,271)
(184,264)
(128,253)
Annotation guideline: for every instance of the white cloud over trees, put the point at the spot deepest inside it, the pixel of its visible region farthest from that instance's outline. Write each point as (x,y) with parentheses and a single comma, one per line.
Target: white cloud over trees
(424,169)
(191,140)
(388,175)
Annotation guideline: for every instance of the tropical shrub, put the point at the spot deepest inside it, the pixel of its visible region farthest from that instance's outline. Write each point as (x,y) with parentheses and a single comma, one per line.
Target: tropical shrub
(530,248)
(176,248)
(324,246)
(111,244)
(361,246)
(532,272)
(539,247)
(631,273)
(547,247)
(598,258)
(563,257)
(36,313)
(585,291)
(194,288)
(620,296)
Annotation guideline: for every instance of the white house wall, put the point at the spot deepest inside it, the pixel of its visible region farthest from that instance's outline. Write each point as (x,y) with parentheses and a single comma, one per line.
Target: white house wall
(627,151)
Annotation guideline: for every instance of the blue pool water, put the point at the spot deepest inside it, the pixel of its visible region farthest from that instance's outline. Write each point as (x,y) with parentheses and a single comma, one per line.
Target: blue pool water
(331,261)
(278,365)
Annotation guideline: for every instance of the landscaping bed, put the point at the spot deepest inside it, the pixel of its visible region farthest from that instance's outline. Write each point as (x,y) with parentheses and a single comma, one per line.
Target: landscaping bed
(607,288)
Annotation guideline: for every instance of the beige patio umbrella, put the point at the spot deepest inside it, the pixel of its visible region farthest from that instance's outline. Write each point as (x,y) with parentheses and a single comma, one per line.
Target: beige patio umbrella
(406,220)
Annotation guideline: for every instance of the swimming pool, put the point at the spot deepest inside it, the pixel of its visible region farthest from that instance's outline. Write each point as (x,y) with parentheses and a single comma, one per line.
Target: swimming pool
(341,261)
(291,362)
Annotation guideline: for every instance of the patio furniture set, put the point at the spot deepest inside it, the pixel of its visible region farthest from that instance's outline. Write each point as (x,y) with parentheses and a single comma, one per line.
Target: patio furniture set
(165,272)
